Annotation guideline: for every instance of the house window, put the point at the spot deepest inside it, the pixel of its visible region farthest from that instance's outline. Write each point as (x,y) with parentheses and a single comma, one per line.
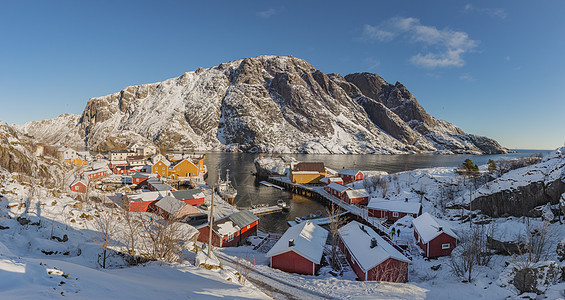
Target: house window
(395,214)
(230,237)
(163,168)
(76,188)
(445,246)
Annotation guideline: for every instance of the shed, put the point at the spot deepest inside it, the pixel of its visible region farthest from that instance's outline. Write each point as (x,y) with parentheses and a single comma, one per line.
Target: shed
(434,236)
(300,249)
(192,196)
(370,256)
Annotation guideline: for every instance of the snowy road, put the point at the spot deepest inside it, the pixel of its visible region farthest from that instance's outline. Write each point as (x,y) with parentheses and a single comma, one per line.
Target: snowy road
(274,287)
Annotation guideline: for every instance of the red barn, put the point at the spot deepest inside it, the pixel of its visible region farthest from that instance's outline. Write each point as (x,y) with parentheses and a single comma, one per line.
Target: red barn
(357,196)
(393,210)
(433,236)
(79,186)
(300,249)
(370,256)
(348,175)
(336,189)
(192,196)
(231,230)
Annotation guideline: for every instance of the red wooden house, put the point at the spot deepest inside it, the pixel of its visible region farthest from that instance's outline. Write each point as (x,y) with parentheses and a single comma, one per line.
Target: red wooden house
(95,173)
(137,177)
(231,230)
(300,249)
(433,236)
(79,185)
(357,196)
(192,196)
(393,210)
(348,175)
(336,189)
(370,256)
(142,202)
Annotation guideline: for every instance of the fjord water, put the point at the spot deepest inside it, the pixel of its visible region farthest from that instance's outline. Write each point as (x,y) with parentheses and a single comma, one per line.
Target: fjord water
(251,192)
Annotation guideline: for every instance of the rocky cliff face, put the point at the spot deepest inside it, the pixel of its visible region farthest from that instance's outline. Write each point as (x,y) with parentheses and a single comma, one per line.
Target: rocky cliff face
(263,104)
(517,192)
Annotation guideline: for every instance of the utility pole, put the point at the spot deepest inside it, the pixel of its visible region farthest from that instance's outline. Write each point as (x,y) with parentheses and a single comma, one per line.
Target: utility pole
(211,222)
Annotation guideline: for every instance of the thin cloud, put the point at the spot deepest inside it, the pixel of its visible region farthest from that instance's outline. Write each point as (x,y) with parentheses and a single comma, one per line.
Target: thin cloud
(467,77)
(492,12)
(372,63)
(267,13)
(449,46)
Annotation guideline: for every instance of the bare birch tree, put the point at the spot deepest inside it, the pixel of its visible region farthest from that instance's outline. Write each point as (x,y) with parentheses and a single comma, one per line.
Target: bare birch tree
(336,222)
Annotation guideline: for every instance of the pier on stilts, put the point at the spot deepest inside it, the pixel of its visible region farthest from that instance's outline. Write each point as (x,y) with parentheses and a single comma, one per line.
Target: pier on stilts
(360,214)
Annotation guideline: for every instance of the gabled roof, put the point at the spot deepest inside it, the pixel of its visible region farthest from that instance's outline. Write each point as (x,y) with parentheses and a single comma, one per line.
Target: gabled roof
(328,180)
(234,222)
(139,175)
(338,187)
(349,172)
(180,161)
(358,193)
(170,204)
(309,240)
(159,185)
(410,207)
(309,167)
(243,218)
(188,194)
(357,239)
(429,227)
(164,161)
(78,180)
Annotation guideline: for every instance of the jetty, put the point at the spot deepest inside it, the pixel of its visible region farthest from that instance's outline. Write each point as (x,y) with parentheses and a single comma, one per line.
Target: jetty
(266,183)
(361,214)
(318,221)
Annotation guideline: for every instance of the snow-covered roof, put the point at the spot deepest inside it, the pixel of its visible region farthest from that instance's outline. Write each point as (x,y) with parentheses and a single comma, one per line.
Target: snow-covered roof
(188,194)
(119,162)
(358,193)
(159,185)
(309,240)
(145,196)
(234,222)
(305,172)
(164,161)
(429,227)
(77,180)
(409,207)
(357,238)
(328,180)
(170,204)
(338,187)
(348,172)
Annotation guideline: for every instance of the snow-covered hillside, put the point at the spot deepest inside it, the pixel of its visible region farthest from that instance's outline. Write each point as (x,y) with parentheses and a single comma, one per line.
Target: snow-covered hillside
(262,104)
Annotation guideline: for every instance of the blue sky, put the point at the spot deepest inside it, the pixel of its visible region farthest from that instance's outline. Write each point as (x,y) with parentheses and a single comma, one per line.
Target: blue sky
(493,68)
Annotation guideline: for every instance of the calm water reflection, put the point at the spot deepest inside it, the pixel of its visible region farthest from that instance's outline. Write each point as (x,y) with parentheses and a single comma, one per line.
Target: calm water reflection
(251,192)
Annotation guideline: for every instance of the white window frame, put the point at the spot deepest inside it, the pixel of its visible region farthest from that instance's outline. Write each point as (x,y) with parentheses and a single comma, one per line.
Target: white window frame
(445,246)
(230,237)
(395,214)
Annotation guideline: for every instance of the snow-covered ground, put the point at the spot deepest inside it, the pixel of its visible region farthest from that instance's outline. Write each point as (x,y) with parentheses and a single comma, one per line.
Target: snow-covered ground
(35,265)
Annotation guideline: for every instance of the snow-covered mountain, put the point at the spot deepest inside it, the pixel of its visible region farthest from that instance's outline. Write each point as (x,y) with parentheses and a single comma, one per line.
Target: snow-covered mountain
(263,104)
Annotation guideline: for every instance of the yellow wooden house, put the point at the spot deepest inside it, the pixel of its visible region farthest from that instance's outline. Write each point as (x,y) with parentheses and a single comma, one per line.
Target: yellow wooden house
(161,167)
(307,172)
(187,167)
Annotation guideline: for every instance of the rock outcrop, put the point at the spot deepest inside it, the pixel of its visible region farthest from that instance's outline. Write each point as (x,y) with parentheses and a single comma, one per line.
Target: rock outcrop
(517,192)
(263,104)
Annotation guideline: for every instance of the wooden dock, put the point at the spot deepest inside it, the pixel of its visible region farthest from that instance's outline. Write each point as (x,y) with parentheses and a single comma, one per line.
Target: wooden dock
(263,210)
(266,183)
(360,214)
